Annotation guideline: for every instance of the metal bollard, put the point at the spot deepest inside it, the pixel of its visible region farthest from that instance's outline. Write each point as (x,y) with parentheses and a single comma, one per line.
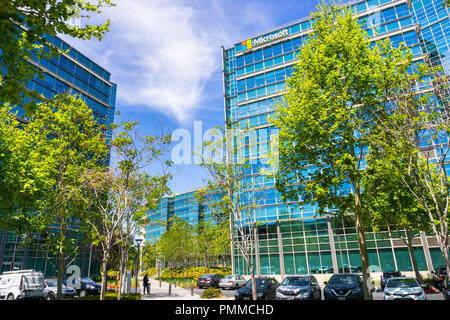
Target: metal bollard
(160,283)
(170,289)
(192,289)
(149,287)
(175,283)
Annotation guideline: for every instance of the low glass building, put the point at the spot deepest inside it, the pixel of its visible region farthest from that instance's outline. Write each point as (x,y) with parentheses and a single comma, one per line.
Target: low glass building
(291,238)
(77,74)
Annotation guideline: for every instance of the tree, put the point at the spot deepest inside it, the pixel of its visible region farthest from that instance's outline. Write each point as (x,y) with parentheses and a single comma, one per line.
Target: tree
(412,138)
(325,117)
(149,255)
(122,193)
(23,176)
(235,200)
(25,27)
(67,141)
(390,206)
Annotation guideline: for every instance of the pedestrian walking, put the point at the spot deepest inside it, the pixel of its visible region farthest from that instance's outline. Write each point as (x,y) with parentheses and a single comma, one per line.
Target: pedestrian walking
(146,284)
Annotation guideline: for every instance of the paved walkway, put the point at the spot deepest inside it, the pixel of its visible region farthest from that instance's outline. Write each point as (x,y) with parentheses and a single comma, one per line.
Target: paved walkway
(162,293)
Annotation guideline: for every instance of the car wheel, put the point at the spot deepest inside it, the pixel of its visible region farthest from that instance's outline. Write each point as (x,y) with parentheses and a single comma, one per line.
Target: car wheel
(83,293)
(10,297)
(51,296)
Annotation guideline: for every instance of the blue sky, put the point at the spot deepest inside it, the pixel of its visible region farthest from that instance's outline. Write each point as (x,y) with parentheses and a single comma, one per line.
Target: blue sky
(165,57)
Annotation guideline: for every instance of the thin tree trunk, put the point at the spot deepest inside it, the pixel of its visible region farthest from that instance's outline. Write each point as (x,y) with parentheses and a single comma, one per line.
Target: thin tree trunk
(409,239)
(104,275)
(254,293)
(61,259)
(362,242)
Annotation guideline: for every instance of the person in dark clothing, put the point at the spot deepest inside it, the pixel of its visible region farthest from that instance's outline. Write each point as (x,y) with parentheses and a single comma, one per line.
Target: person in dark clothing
(146,284)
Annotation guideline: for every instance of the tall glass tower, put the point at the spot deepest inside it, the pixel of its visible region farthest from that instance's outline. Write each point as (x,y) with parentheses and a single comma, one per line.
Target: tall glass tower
(291,238)
(78,75)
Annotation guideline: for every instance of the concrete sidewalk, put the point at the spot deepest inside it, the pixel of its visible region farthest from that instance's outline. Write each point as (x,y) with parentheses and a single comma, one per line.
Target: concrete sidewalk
(162,293)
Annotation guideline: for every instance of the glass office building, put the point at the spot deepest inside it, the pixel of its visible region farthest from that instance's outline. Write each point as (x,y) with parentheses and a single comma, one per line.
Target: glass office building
(291,238)
(77,74)
(185,206)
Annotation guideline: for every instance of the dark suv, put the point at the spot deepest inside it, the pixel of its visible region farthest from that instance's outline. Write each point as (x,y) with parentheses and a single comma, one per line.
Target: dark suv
(439,276)
(345,286)
(209,280)
(266,289)
(84,286)
(389,274)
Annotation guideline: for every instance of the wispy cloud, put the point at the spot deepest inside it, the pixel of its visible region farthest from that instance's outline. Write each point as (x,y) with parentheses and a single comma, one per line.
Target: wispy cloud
(162,53)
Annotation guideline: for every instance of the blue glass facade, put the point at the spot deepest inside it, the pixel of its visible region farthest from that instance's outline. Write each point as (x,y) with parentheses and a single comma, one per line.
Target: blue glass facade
(71,72)
(185,206)
(291,238)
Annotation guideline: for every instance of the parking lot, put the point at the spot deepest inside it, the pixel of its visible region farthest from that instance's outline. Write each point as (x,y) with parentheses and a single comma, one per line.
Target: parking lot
(376,295)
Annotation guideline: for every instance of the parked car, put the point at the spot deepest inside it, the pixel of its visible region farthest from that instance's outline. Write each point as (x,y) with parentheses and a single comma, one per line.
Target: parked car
(345,286)
(299,287)
(21,284)
(265,289)
(404,288)
(51,289)
(439,275)
(209,280)
(446,288)
(233,281)
(84,286)
(389,274)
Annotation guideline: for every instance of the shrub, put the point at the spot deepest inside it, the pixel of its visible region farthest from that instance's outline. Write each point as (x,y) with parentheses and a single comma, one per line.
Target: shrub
(211,293)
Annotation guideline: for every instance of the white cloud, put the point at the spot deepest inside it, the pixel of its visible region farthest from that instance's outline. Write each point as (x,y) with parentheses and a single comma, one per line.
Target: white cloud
(162,53)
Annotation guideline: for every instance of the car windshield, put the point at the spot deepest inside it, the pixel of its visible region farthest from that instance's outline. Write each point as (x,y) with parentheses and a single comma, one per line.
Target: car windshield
(259,283)
(207,276)
(228,277)
(88,281)
(402,283)
(52,283)
(296,281)
(343,279)
(391,274)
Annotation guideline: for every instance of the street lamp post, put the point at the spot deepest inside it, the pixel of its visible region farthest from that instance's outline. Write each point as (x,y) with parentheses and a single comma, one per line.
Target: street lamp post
(138,242)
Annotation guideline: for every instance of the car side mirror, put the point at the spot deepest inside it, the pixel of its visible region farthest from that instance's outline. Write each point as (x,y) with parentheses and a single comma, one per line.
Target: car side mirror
(424,286)
(325,282)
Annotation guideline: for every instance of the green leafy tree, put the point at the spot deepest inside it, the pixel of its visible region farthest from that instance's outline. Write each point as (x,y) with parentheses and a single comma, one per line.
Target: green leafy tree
(24,177)
(412,138)
(239,208)
(67,141)
(149,255)
(23,27)
(391,206)
(325,118)
(177,244)
(122,193)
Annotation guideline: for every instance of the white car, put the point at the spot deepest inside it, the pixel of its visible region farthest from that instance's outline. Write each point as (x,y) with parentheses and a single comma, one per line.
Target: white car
(404,288)
(22,284)
(232,282)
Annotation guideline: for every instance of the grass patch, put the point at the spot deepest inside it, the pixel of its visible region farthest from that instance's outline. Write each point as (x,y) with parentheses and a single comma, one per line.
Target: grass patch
(108,296)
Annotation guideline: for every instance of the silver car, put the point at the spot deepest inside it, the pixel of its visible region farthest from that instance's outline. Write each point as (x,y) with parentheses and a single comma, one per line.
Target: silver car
(233,281)
(51,288)
(404,288)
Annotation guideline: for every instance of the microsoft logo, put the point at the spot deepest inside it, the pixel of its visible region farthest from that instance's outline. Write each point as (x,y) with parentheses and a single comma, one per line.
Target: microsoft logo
(263,39)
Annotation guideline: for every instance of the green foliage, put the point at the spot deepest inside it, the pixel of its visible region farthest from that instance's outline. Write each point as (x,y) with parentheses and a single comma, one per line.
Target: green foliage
(177,243)
(108,296)
(23,23)
(211,293)
(195,272)
(336,88)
